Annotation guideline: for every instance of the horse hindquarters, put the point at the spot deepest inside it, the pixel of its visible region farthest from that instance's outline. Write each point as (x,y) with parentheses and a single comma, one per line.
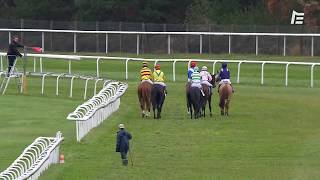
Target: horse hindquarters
(225,96)
(144,94)
(195,97)
(157,99)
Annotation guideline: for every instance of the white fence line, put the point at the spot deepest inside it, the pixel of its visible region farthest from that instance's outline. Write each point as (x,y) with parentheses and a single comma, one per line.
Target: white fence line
(168,34)
(35,159)
(98,59)
(93,112)
(58,76)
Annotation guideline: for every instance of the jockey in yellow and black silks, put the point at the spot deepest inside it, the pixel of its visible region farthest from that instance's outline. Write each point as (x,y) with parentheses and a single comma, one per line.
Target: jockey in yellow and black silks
(145,73)
(159,77)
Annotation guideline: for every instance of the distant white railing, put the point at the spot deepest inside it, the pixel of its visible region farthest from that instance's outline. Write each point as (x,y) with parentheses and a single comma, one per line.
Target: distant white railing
(35,159)
(213,61)
(169,34)
(93,112)
(98,60)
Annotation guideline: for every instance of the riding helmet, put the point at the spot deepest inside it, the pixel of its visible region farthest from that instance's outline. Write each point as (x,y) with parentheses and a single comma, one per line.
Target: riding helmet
(204,68)
(193,64)
(157,66)
(224,65)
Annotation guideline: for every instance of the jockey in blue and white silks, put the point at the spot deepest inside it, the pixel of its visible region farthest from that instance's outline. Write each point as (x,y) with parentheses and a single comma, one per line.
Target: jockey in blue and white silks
(191,70)
(224,75)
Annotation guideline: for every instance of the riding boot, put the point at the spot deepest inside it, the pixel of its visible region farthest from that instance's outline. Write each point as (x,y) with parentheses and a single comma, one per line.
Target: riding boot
(232,88)
(165,91)
(219,87)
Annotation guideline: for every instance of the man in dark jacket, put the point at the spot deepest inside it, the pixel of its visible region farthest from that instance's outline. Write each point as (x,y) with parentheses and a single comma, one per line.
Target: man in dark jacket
(13,52)
(123,138)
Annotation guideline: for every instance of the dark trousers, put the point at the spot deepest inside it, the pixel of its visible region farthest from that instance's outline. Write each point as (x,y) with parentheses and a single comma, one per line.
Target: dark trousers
(123,155)
(11,59)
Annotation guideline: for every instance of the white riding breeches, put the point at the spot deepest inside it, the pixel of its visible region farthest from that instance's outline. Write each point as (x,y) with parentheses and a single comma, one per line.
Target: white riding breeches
(198,85)
(149,81)
(207,83)
(160,83)
(225,81)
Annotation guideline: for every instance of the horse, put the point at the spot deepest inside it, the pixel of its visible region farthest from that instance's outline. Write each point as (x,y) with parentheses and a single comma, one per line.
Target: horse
(157,99)
(225,94)
(207,97)
(195,101)
(144,95)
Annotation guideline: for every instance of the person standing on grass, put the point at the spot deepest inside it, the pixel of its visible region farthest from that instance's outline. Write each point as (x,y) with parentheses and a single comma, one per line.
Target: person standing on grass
(13,53)
(123,138)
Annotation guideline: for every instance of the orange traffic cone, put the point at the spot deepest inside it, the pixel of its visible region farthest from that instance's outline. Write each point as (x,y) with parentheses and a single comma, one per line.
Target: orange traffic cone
(61,158)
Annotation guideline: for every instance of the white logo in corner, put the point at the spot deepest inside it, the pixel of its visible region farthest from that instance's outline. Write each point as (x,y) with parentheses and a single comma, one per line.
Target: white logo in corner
(297,18)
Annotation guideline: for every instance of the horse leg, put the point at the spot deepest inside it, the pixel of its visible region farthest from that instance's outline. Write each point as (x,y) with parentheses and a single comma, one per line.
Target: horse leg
(204,107)
(209,103)
(188,103)
(191,111)
(196,111)
(148,106)
(142,109)
(154,112)
(227,107)
(159,112)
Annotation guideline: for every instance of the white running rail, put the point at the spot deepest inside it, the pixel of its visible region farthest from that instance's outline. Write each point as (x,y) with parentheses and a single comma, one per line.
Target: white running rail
(93,112)
(35,159)
(239,62)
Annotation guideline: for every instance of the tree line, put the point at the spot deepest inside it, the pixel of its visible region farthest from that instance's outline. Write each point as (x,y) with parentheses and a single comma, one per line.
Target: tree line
(253,12)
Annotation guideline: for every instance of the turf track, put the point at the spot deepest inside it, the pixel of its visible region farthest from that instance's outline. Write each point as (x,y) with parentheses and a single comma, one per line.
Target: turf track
(272,131)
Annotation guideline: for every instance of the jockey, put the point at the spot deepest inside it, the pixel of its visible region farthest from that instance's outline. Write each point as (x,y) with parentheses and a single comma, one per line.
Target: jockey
(196,79)
(224,76)
(206,77)
(145,73)
(159,77)
(191,70)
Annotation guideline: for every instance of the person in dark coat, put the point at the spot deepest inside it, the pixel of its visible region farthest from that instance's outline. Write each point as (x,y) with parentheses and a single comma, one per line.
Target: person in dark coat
(122,146)
(13,52)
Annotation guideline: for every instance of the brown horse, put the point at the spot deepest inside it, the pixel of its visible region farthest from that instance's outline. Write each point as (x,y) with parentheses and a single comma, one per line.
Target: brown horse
(208,95)
(144,95)
(225,93)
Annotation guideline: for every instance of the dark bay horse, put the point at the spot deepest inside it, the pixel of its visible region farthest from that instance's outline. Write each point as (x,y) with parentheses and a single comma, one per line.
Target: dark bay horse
(144,95)
(194,102)
(157,99)
(208,95)
(225,93)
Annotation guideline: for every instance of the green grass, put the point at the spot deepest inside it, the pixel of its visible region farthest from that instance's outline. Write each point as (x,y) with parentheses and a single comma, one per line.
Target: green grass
(272,131)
